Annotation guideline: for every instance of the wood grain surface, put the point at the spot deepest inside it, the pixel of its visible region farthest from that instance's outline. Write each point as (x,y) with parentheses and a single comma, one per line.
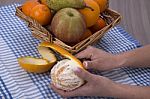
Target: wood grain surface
(135,13)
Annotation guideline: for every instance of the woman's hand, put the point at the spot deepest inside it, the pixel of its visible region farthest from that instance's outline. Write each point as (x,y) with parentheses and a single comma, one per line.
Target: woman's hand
(99,59)
(95,86)
(101,86)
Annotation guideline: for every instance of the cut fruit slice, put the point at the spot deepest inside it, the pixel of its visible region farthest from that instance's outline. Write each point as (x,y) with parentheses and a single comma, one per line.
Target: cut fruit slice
(35,65)
(61,51)
(47,54)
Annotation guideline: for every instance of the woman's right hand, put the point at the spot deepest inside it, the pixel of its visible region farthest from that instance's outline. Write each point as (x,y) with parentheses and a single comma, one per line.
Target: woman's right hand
(99,59)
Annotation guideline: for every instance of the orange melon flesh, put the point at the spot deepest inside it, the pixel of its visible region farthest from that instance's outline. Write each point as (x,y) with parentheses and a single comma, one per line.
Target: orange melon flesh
(47,54)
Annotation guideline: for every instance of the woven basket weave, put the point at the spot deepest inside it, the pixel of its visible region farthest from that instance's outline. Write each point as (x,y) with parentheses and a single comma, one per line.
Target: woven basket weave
(111,17)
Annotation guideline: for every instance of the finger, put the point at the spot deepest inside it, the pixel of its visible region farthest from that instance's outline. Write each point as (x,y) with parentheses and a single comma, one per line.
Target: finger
(90,64)
(81,91)
(83,74)
(77,92)
(87,53)
(59,91)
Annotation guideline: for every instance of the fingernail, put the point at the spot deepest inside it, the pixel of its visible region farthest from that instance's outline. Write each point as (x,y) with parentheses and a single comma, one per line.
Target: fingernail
(85,64)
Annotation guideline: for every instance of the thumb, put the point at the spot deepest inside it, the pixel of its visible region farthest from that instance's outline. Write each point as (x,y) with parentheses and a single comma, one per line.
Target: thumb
(83,74)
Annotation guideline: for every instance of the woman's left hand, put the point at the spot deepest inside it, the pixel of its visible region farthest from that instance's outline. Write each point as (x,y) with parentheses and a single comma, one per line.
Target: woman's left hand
(95,86)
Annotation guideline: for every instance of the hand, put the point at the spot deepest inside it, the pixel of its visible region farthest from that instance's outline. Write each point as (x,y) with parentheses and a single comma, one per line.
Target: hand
(95,86)
(98,59)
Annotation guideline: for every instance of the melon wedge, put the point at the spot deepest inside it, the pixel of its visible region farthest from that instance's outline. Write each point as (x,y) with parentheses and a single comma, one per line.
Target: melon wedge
(61,51)
(35,65)
(47,54)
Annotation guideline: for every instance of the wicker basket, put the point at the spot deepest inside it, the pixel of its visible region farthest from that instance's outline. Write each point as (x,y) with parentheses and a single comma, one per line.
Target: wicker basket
(111,17)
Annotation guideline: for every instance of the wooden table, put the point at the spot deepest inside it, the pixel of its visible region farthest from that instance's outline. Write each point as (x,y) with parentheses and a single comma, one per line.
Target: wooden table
(136,16)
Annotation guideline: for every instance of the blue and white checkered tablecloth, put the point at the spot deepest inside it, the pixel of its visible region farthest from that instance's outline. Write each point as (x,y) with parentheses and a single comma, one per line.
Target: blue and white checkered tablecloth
(16,41)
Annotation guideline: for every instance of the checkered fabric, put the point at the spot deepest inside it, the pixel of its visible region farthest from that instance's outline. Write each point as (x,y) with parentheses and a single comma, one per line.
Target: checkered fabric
(16,41)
